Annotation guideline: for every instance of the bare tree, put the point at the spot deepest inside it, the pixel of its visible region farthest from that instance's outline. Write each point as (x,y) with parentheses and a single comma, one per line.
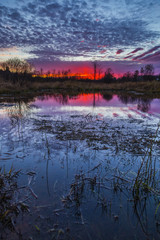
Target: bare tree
(142,71)
(97,69)
(48,74)
(17,65)
(149,70)
(109,75)
(41,71)
(136,74)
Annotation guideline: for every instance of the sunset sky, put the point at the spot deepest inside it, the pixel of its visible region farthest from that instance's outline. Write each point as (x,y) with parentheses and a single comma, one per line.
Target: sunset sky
(62,34)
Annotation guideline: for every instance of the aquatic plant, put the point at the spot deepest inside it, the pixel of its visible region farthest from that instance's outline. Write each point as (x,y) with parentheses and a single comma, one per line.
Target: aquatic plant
(145,178)
(12,201)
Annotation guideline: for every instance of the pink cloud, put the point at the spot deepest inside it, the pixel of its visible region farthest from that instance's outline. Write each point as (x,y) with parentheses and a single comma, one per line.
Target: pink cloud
(136,50)
(103,51)
(145,53)
(119,51)
(152,57)
(128,56)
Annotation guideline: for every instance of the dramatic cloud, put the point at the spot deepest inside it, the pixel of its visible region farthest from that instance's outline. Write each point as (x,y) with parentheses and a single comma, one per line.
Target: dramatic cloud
(82,30)
(155,57)
(146,53)
(119,51)
(136,50)
(128,57)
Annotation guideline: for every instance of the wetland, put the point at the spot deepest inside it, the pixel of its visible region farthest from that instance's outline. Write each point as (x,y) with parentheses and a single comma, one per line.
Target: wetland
(83,166)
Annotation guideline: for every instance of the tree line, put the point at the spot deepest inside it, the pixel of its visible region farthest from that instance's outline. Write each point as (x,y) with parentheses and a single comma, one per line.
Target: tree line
(16,70)
(145,73)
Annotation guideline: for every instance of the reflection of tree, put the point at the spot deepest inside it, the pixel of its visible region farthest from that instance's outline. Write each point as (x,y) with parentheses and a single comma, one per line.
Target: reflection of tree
(127,99)
(61,98)
(108,97)
(143,104)
(43,98)
(18,110)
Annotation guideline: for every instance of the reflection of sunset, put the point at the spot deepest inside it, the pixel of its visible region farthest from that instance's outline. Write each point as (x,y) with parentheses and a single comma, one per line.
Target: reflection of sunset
(80,100)
(136,106)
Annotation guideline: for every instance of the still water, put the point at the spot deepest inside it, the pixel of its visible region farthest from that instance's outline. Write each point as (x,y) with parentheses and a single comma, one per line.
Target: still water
(89,165)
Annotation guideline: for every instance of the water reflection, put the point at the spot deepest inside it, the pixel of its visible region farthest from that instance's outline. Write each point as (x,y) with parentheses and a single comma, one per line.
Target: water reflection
(18,107)
(108,97)
(86,162)
(143,103)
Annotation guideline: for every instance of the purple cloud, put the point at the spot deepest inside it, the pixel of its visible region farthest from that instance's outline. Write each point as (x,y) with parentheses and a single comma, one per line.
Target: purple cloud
(136,50)
(128,56)
(146,53)
(119,51)
(155,57)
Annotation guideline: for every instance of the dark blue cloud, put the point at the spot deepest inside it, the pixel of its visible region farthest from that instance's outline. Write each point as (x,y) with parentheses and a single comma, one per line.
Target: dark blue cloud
(136,50)
(155,57)
(119,51)
(146,53)
(58,29)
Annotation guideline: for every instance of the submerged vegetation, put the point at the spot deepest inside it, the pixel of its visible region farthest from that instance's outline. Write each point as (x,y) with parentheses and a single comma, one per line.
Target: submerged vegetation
(12,201)
(92,169)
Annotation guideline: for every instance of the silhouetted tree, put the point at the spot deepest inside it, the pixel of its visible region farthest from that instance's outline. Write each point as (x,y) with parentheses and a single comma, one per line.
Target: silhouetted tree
(107,97)
(17,65)
(128,76)
(144,105)
(95,70)
(109,75)
(142,71)
(48,74)
(59,73)
(149,70)
(135,76)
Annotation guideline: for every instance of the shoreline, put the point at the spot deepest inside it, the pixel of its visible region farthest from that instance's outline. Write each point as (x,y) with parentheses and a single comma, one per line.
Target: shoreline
(151,89)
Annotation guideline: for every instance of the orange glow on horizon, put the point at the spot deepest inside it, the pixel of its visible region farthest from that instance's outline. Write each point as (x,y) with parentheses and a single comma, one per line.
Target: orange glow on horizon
(73,71)
(69,75)
(74,75)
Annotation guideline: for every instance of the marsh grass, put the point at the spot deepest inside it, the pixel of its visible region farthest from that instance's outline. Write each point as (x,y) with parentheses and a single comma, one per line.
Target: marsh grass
(94,182)
(145,179)
(9,207)
(13,201)
(37,85)
(138,189)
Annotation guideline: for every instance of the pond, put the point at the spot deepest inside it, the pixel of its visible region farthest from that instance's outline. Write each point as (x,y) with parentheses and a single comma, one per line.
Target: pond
(89,166)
